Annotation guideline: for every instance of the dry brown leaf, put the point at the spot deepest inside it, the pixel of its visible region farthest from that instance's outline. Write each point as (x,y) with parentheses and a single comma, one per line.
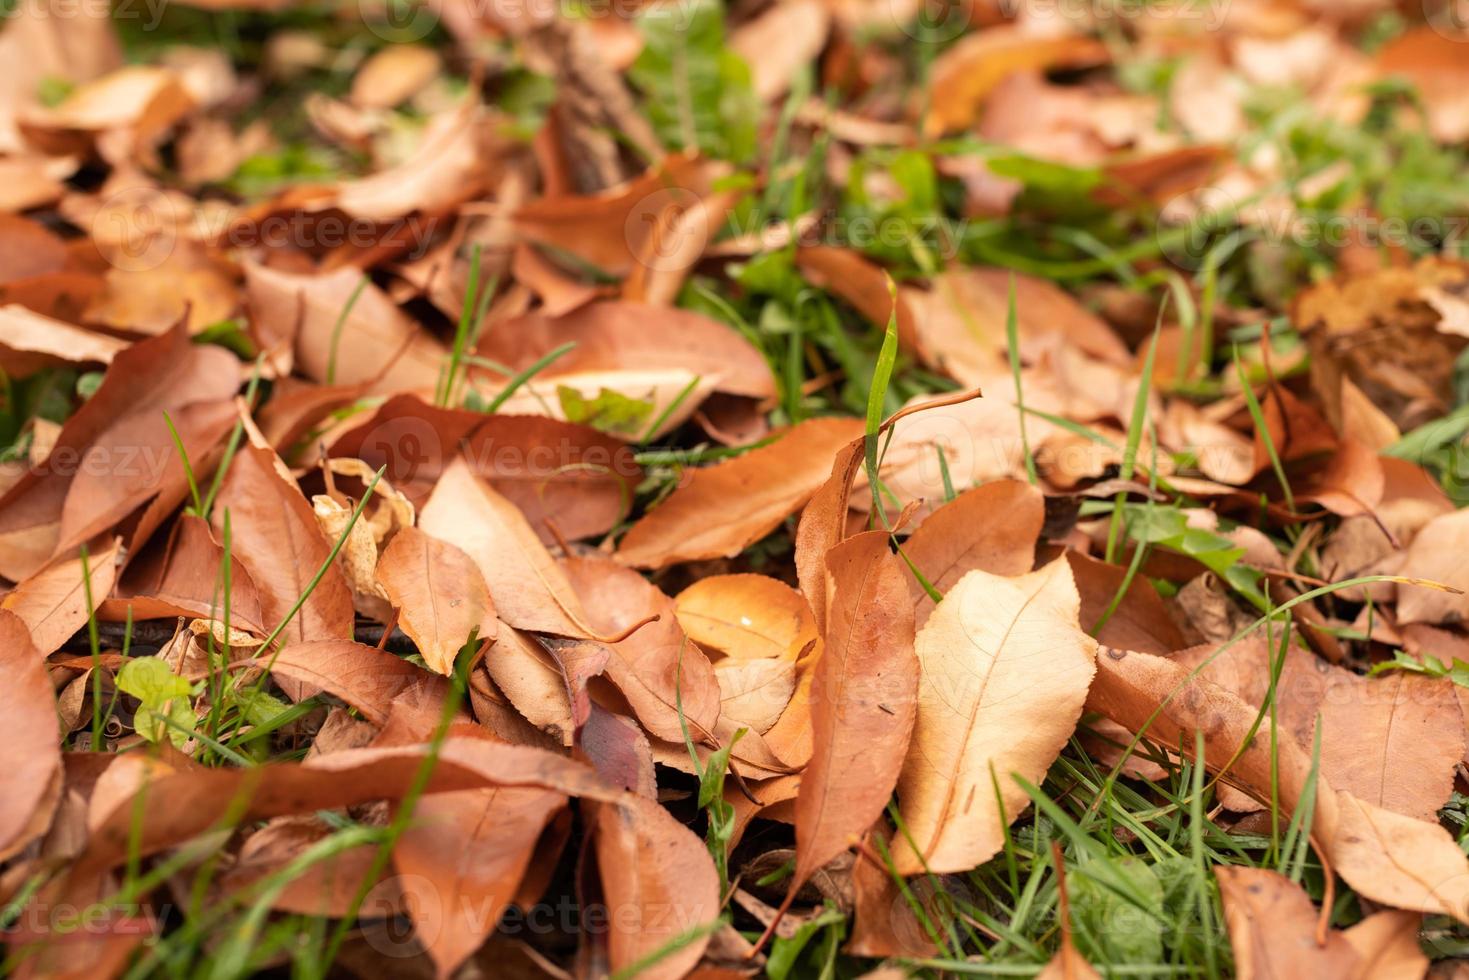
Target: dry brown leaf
(755,693)
(1433,60)
(451,165)
(529,590)
(751,493)
(609,229)
(666,679)
(1434,556)
(30,342)
(462,859)
(189,284)
(29,732)
(275,536)
(1006,668)
(394,75)
(1273,928)
(1386,857)
(781,42)
(440,595)
(961,323)
(365,677)
(618,336)
(532,680)
(747,617)
(847,274)
(993,528)
(294,318)
(966,73)
(658,877)
(181,577)
(862,702)
(57,601)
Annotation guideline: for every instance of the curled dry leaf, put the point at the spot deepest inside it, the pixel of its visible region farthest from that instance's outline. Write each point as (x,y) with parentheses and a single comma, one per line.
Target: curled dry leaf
(966,73)
(439,593)
(667,679)
(531,678)
(1006,667)
(752,493)
(747,617)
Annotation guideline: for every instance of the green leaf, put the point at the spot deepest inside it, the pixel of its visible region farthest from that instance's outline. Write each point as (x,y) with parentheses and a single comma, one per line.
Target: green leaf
(163,694)
(610,411)
(151,681)
(1117,905)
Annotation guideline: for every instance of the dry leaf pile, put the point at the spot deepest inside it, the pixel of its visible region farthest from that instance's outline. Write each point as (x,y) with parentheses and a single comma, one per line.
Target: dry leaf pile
(795,488)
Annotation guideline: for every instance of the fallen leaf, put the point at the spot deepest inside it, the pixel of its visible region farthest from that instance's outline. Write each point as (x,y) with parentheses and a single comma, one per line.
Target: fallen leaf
(440,594)
(755,693)
(1391,740)
(393,75)
(618,336)
(182,577)
(366,678)
(667,679)
(658,878)
(275,536)
(753,493)
(462,859)
(993,528)
(1433,557)
(528,589)
(1006,668)
(863,699)
(57,601)
(1272,928)
(747,617)
(781,42)
(967,72)
(295,319)
(30,342)
(608,229)
(28,729)
(1386,857)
